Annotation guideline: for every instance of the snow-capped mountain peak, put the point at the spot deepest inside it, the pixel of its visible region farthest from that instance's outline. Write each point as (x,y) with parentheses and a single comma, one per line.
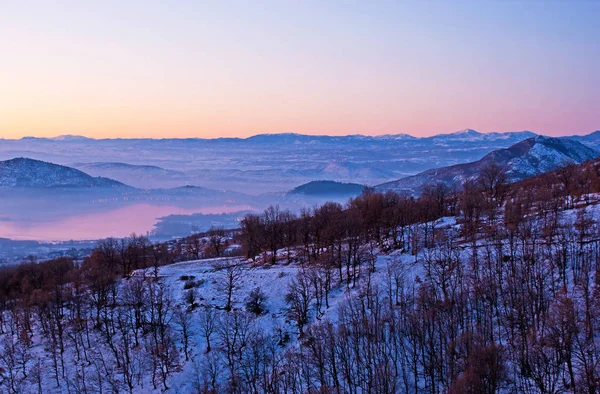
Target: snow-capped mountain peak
(522,160)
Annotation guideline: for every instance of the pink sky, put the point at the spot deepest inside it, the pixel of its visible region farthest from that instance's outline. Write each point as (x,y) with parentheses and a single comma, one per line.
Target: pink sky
(149,69)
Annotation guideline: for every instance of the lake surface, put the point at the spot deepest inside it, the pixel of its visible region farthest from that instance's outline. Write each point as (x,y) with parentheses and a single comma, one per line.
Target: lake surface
(118,222)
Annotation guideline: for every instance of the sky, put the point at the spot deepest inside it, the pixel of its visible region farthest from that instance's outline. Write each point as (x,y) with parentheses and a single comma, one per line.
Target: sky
(226,68)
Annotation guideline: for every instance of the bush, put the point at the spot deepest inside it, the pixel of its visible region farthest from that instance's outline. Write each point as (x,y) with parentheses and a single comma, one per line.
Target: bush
(255,302)
(189,284)
(190,298)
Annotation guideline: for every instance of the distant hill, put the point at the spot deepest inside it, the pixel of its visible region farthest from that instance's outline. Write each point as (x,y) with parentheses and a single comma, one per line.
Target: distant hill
(29,173)
(524,159)
(124,167)
(592,139)
(328,188)
(140,176)
(192,191)
(26,173)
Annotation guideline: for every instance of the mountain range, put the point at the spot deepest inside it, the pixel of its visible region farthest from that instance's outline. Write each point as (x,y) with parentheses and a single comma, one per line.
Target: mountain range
(379,161)
(262,163)
(295,138)
(522,160)
(155,179)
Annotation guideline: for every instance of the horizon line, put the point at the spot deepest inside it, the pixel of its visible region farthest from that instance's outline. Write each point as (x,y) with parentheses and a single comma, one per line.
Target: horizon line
(80,136)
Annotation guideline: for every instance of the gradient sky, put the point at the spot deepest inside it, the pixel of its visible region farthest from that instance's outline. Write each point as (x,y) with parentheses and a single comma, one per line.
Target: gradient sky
(223,68)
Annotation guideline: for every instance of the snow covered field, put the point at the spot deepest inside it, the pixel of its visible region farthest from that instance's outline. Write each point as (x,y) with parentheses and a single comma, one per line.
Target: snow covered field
(273,282)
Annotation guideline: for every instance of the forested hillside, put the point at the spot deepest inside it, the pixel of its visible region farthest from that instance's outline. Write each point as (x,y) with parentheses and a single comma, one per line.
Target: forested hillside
(492,289)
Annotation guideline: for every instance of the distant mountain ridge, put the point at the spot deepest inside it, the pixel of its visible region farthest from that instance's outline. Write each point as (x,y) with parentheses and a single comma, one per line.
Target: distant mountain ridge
(30,173)
(264,163)
(466,134)
(591,139)
(473,135)
(124,166)
(522,160)
(140,176)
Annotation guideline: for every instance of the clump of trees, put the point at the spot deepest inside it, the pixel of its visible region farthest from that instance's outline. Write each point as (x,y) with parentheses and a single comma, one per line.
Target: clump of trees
(205,245)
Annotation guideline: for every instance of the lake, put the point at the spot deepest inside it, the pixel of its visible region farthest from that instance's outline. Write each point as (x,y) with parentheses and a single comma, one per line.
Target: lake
(120,221)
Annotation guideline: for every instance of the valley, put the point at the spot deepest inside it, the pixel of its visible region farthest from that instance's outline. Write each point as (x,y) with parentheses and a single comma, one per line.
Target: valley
(300,197)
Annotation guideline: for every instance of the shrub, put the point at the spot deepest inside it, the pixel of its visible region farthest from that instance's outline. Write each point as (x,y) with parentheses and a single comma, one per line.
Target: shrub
(255,302)
(190,298)
(189,284)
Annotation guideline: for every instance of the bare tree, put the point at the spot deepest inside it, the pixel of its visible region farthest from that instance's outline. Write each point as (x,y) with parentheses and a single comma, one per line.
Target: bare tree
(183,319)
(217,241)
(234,330)
(492,179)
(231,273)
(194,246)
(208,321)
(299,297)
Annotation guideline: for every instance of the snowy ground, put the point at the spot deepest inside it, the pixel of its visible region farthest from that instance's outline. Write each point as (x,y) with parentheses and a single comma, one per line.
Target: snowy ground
(273,281)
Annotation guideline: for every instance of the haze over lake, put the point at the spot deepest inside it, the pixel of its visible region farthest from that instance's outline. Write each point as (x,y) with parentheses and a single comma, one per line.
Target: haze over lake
(116,222)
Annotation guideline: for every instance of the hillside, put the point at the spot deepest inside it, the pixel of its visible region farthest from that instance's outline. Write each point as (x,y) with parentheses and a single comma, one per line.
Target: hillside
(522,160)
(141,176)
(412,274)
(29,173)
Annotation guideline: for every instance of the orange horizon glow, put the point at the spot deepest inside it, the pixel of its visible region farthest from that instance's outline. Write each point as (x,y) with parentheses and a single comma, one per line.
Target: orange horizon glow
(175,128)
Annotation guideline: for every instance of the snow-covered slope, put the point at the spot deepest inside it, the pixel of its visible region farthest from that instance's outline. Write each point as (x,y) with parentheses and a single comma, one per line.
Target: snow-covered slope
(522,160)
(23,172)
(273,282)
